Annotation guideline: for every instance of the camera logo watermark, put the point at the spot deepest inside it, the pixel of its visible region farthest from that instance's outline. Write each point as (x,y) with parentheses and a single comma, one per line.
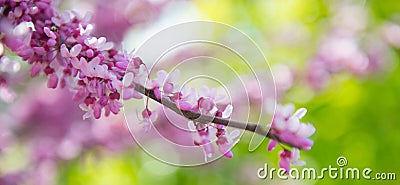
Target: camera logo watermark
(339,171)
(206,53)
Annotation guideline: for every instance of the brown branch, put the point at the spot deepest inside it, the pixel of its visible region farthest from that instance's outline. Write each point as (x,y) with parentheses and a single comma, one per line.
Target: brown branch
(202,118)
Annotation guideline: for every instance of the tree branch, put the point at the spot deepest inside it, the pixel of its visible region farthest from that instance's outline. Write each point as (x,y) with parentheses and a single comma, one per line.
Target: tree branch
(202,118)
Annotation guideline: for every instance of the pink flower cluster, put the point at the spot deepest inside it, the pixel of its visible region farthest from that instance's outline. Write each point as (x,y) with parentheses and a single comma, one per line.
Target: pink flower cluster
(287,127)
(61,47)
(206,102)
(123,15)
(348,47)
(207,132)
(186,99)
(390,33)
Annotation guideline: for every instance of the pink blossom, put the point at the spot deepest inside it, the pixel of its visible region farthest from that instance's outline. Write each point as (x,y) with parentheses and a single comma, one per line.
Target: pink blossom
(15,37)
(225,140)
(272,144)
(6,94)
(53,81)
(207,105)
(50,33)
(99,43)
(184,105)
(283,77)
(390,33)
(288,128)
(347,48)
(287,158)
(122,15)
(166,81)
(75,50)
(186,98)
(8,75)
(202,137)
(211,93)
(148,119)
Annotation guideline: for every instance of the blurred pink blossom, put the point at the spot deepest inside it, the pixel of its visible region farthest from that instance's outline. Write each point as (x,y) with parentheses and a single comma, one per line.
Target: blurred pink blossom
(114,20)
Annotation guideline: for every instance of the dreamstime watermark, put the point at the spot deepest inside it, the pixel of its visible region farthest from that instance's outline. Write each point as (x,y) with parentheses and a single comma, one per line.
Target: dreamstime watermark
(339,171)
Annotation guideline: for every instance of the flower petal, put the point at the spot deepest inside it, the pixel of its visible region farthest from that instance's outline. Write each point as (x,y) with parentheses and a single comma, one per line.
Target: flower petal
(228,111)
(75,50)
(128,79)
(183,105)
(300,113)
(272,144)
